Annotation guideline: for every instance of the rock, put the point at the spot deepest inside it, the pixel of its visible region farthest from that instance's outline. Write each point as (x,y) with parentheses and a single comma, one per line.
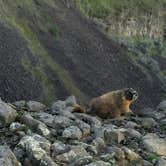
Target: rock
(153,143)
(35,106)
(99,163)
(72,132)
(147,123)
(108,158)
(98,143)
(45,118)
(131,124)
(91,120)
(47,161)
(132,133)
(36,125)
(20,104)
(114,136)
(161,162)
(75,152)
(80,161)
(59,148)
(7,158)
(61,122)
(36,148)
(130,155)
(58,106)
(15,126)
(7,114)
(162,106)
(70,101)
(84,127)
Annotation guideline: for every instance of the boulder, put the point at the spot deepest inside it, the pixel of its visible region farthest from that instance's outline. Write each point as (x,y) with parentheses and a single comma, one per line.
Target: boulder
(7,114)
(162,106)
(7,158)
(70,101)
(153,143)
(35,106)
(72,132)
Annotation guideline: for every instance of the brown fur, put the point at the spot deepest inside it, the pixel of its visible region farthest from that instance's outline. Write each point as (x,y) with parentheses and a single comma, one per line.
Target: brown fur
(110,105)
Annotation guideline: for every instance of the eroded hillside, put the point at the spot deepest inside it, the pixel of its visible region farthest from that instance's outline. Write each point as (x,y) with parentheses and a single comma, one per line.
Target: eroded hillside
(49,50)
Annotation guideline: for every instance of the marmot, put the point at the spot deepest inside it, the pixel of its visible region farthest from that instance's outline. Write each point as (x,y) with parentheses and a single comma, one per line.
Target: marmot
(110,105)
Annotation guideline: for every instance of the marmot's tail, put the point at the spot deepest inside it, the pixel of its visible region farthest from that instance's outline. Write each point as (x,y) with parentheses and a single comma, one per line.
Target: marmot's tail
(79,109)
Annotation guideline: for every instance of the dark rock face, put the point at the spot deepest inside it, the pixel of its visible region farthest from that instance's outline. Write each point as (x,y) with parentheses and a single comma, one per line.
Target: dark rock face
(94,63)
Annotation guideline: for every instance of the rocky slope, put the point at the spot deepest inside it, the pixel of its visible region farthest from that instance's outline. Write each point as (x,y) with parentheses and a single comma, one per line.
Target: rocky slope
(49,49)
(32,134)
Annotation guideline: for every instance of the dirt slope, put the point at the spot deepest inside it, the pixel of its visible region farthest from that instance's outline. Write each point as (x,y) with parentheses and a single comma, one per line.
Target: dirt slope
(80,60)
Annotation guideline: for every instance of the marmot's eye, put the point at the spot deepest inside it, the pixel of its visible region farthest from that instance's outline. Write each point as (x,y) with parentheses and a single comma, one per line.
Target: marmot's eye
(129,96)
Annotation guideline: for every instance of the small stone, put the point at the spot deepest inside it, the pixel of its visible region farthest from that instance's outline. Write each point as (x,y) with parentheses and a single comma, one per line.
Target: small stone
(7,114)
(58,106)
(45,118)
(61,122)
(130,155)
(107,157)
(15,126)
(36,125)
(70,101)
(131,124)
(59,148)
(75,152)
(84,127)
(20,104)
(162,106)
(80,161)
(98,143)
(161,162)
(7,157)
(153,143)
(35,106)
(147,123)
(132,133)
(72,132)
(114,136)
(47,161)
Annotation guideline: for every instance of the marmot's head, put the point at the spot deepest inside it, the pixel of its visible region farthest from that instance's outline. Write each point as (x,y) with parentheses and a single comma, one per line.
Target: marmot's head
(130,94)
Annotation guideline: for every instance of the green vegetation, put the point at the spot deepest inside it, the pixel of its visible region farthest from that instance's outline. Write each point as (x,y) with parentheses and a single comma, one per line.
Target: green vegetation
(103,8)
(153,157)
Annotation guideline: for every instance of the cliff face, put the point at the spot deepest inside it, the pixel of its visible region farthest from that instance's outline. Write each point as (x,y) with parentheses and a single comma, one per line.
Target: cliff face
(50,49)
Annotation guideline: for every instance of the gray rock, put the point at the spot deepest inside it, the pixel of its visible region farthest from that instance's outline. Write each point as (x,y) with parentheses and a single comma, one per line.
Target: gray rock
(108,158)
(99,163)
(75,152)
(58,106)
(35,106)
(130,155)
(36,148)
(45,118)
(132,133)
(84,127)
(72,132)
(59,148)
(20,104)
(15,126)
(61,122)
(7,114)
(47,161)
(80,161)
(91,120)
(7,158)
(36,125)
(131,124)
(98,143)
(162,106)
(161,162)
(147,123)
(153,143)
(70,101)
(114,136)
